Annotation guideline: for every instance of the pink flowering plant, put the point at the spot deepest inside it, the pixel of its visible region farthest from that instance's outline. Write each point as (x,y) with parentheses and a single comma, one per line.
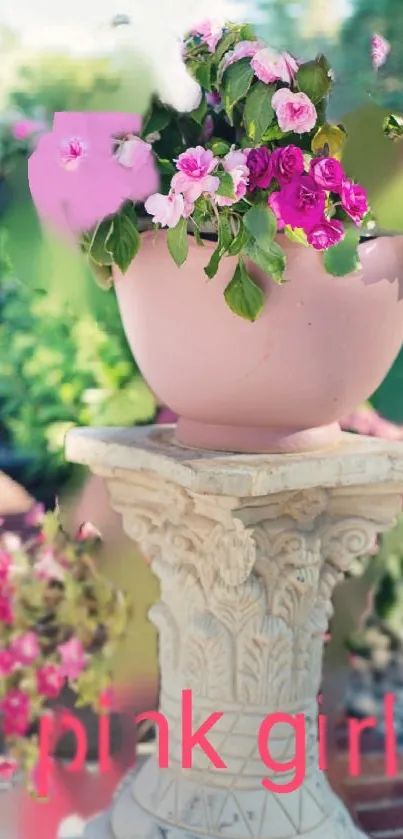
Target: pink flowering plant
(60,622)
(254,162)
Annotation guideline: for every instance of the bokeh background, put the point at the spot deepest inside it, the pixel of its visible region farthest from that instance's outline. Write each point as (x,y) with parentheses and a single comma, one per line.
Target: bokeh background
(64,360)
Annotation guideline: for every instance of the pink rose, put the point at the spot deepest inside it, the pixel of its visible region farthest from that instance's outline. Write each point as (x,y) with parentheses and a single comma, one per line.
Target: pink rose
(210,33)
(272,66)
(295,111)
(166,210)
(49,681)
(235,165)
(325,234)
(300,203)
(244,49)
(327,172)
(73,658)
(286,163)
(194,176)
(25,648)
(16,710)
(354,200)
(380,49)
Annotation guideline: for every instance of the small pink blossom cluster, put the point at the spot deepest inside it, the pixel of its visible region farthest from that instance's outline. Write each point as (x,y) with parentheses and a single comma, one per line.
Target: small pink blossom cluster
(303,200)
(199,175)
(43,646)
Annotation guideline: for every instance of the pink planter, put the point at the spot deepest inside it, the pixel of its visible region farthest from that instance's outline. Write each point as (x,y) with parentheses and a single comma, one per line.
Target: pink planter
(321,346)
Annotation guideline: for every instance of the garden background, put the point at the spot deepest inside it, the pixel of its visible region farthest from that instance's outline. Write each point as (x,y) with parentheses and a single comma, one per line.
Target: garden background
(64,360)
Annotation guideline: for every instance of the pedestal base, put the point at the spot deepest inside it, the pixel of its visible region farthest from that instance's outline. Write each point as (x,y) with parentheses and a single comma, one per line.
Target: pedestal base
(128,820)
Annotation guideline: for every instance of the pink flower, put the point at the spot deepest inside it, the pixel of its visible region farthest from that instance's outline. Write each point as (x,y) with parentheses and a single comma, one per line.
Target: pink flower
(75,177)
(49,681)
(48,568)
(295,111)
(380,49)
(5,565)
(354,200)
(88,531)
(35,516)
(6,663)
(210,32)
(73,658)
(274,203)
(325,234)
(245,49)
(16,710)
(327,172)
(134,153)
(25,128)
(272,66)
(6,608)
(194,176)
(235,165)
(300,203)
(166,210)
(8,768)
(25,648)
(286,163)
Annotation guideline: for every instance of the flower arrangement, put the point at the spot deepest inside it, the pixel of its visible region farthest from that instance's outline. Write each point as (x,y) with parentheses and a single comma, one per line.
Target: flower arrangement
(59,624)
(256,157)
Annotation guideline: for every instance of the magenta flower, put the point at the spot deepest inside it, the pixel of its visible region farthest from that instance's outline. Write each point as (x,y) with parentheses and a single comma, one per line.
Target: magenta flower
(235,165)
(325,234)
(73,658)
(213,99)
(8,768)
(258,163)
(75,176)
(35,516)
(245,49)
(5,565)
(286,163)
(16,712)
(295,111)
(274,204)
(300,203)
(25,648)
(354,200)
(272,66)
(49,681)
(380,49)
(194,176)
(327,172)
(166,210)
(6,608)
(25,128)
(210,33)
(6,663)
(208,128)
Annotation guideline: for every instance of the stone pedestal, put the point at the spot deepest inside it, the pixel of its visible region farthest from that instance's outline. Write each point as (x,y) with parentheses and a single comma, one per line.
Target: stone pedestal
(248,550)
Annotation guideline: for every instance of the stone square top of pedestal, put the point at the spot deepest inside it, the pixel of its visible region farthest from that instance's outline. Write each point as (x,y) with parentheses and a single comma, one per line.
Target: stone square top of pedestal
(355,461)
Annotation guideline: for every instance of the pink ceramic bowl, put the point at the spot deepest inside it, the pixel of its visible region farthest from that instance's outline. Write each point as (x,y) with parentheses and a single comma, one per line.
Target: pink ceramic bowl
(321,346)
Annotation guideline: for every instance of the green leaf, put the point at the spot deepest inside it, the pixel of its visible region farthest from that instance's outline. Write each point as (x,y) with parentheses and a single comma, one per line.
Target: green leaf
(271,260)
(102,274)
(219,147)
(258,112)
(158,119)
(274,132)
(98,249)
(343,258)
(313,79)
(239,242)
(198,115)
(236,82)
(261,224)
(226,188)
(247,33)
(296,235)
(178,243)
(202,74)
(393,127)
(124,238)
(226,43)
(166,167)
(243,296)
(224,241)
